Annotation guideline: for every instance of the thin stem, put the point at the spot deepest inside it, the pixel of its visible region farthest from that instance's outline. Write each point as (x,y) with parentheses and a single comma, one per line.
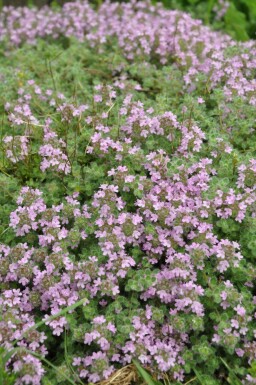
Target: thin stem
(192,379)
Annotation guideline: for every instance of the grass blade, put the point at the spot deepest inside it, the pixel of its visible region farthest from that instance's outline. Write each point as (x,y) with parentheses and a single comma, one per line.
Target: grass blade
(8,355)
(145,375)
(199,378)
(234,380)
(52,317)
(67,359)
(57,370)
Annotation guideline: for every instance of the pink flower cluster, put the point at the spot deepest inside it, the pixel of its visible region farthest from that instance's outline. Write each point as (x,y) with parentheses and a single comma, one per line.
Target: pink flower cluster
(53,152)
(16,148)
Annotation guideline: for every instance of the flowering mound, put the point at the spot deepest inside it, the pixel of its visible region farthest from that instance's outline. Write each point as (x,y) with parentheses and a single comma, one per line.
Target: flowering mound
(133,231)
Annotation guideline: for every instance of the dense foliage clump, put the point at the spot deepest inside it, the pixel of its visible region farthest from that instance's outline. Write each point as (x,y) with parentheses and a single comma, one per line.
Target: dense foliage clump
(128,178)
(236,17)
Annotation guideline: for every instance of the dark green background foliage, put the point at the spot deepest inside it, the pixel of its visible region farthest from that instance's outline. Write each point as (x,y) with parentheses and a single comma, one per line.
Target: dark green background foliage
(239,20)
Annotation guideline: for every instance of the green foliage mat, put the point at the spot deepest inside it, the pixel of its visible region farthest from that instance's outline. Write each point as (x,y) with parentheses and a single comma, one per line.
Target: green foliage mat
(73,69)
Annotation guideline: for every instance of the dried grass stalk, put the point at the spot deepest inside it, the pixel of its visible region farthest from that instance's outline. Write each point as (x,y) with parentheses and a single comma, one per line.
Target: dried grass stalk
(124,376)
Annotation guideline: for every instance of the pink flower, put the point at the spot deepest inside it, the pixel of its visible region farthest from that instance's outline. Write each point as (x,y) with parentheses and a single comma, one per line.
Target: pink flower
(240,310)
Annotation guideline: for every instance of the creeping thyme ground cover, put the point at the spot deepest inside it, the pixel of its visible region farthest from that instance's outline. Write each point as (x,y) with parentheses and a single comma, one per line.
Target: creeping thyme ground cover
(128,196)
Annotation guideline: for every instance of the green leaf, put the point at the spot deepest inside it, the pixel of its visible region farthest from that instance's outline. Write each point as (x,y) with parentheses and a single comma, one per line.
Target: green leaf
(236,23)
(251,7)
